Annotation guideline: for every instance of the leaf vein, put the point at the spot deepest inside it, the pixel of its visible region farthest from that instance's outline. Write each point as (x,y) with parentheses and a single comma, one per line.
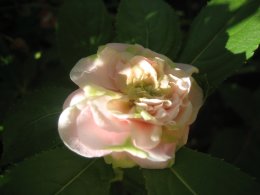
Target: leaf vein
(75,177)
(216,35)
(183,181)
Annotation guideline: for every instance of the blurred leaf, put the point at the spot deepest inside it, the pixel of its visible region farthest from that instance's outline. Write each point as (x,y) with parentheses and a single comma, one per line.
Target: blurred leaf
(131,182)
(246,146)
(234,96)
(241,147)
(6,99)
(134,181)
(19,73)
(82,27)
(256,109)
(249,158)
(228,143)
(152,24)
(197,173)
(58,172)
(31,125)
(222,37)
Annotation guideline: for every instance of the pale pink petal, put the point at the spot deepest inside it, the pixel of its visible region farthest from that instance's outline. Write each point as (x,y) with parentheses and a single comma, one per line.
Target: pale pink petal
(120,47)
(68,132)
(156,56)
(94,70)
(172,113)
(145,135)
(162,152)
(159,157)
(94,136)
(145,131)
(188,69)
(79,132)
(104,118)
(151,101)
(184,116)
(74,98)
(148,164)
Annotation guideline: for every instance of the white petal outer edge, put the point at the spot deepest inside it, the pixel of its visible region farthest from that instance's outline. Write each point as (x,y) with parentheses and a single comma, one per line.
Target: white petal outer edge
(74,98)
(196,93)
(188,69)
(66,129)
(93,70)
(78,71)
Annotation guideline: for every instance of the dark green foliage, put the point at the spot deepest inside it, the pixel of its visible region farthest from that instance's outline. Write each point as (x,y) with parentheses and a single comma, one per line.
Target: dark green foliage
(31,125)
(197,173)
(58,171)
(155,26)
(82,27)
(223,36)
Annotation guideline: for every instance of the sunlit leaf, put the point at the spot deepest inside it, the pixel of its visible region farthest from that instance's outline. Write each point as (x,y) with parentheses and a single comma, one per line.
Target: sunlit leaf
(223,36)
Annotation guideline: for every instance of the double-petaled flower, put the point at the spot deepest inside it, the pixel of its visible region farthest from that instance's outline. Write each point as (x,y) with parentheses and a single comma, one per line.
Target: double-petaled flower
(133,106)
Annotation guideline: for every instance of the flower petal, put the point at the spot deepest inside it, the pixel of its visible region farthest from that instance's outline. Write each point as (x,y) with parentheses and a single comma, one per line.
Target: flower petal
(94,70)
(120,47)
(69,134)
(159,158)
(188,69)
(104,118)
(74,98)
(134,106)
(94,136)
(80,133)
(145,135)
(184,116)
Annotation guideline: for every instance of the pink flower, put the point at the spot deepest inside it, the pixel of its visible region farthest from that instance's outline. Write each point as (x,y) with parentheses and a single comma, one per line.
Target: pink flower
(133,106)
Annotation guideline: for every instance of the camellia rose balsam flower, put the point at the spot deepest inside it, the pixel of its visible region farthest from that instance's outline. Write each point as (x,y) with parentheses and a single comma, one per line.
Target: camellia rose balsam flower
(133,106)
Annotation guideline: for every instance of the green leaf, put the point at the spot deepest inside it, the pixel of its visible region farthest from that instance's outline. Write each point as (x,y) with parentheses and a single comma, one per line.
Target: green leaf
(256,108)
(243,101)
(197,173)
(223,36)
(240,145)
(133,181)
(82,27)
(150,23)
(130,182)
(58,172)
(31,125)
(228,143)
(249,157)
